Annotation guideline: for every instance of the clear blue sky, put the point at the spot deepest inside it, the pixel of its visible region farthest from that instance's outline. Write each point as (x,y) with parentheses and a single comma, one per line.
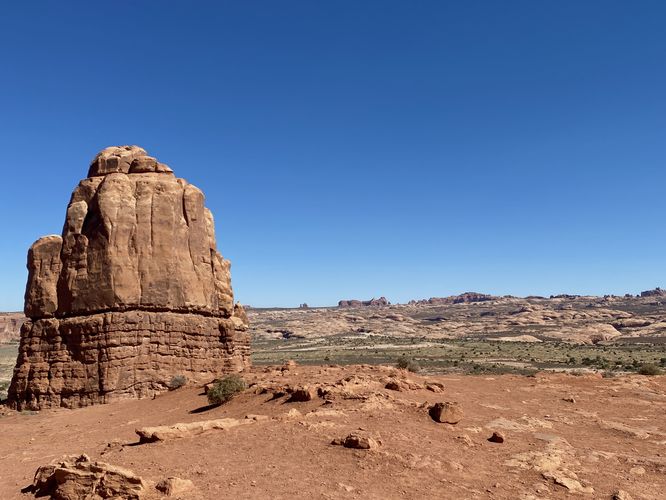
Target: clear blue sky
(356,149)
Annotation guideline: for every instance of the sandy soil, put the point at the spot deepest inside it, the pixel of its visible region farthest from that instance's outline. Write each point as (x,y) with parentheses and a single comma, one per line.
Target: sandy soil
(591,435)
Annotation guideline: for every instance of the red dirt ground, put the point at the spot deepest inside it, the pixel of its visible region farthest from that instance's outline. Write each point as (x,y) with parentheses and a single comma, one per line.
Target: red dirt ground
(609,436)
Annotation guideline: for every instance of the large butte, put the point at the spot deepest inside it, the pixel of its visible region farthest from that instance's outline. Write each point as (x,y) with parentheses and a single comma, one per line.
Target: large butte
(132,294)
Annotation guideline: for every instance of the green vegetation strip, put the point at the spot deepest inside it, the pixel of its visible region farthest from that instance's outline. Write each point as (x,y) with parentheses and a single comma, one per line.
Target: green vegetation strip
(465,356)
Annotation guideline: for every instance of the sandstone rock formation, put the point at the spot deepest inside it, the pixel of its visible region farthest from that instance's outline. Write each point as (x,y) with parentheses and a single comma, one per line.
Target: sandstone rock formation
(463,298)
(73,478)
(133,293)
(381,301)
(657,292)
(10,326)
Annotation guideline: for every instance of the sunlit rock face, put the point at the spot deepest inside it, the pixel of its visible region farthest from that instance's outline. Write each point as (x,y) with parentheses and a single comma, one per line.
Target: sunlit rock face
(132,293)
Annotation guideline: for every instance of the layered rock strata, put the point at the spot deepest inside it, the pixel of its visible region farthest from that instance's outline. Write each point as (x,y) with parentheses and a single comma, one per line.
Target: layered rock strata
(133,293)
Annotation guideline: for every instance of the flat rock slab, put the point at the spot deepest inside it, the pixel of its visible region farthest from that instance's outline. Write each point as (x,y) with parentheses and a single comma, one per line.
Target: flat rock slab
(176,431)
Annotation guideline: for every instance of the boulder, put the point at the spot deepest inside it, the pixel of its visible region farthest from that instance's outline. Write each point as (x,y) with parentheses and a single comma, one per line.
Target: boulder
(174,486)
(74,478)
(447,412)
(132,293)
(302,394)
(497,437)
(357,441)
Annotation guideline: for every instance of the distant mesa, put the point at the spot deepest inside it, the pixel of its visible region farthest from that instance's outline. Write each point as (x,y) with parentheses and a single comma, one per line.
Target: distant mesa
(303,306)
(657,292)
(463,298)
(133,293)
(10,326)
(381,301)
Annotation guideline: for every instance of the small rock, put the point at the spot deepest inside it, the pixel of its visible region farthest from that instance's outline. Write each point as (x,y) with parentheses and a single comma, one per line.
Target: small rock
(466,440)
(293,413)
(497,437)
(172,486)
(115,445)
(569,399)
(622,495)
(448,412)
(289,365)
(357,441)
(257,418)
(569,483)
(302,394)
(435,387)
(393,385)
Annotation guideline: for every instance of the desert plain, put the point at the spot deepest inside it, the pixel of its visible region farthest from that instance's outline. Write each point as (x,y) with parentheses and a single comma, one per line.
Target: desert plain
(569,385)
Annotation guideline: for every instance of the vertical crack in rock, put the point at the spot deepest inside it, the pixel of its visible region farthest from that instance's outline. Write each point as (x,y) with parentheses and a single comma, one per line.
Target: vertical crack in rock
(132,293)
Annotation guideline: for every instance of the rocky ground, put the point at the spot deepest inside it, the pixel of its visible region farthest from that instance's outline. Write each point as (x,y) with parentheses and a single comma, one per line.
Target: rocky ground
(563,435)
(501,334)
(552,382)
(580,320)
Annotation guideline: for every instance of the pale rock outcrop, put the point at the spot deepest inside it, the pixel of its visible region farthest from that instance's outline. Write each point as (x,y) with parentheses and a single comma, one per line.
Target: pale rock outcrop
(133,293)
(191,429)
(74,478)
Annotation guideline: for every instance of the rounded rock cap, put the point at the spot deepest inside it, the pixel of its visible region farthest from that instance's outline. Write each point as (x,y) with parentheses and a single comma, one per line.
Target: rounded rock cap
(126,160)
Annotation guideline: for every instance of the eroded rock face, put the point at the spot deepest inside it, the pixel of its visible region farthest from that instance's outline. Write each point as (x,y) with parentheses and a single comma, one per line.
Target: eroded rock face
(133,293)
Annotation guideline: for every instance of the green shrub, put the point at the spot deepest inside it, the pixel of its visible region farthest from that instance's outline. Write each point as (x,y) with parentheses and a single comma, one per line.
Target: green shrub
(649,369)
(224,389)
(4,387)
(405,363)
(177,382)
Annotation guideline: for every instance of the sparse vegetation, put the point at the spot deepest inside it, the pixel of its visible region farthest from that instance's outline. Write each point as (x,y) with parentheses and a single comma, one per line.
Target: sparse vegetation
(409,364)
(649,369)
(226,388)
(177,382)
(4,386)
(461,355)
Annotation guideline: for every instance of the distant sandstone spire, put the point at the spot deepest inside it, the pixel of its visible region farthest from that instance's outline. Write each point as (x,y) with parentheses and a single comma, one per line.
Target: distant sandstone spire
(132,294)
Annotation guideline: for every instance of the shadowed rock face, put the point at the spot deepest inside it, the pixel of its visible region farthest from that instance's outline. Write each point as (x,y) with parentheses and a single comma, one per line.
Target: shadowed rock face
(133,293)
